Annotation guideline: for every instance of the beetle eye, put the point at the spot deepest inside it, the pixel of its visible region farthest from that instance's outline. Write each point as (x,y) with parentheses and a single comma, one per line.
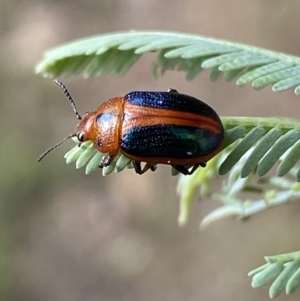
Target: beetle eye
(80,137)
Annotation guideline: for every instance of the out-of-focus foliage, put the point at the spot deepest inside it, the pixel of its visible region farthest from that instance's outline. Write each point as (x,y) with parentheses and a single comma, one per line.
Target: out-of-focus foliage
(284,268)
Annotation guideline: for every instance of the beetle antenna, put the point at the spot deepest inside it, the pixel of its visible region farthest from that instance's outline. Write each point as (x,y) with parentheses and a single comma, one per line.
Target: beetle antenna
(46,152)
(65,90)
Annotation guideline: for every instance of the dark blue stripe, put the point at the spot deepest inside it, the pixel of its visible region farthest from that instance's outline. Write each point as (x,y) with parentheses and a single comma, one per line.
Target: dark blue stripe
(171,101)
(169,141)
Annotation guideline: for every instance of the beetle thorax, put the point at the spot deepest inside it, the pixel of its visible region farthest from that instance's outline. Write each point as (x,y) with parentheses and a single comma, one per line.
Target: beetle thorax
(108,125)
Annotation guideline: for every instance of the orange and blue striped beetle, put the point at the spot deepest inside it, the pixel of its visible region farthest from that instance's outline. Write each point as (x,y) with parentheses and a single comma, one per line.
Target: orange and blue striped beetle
(151,127)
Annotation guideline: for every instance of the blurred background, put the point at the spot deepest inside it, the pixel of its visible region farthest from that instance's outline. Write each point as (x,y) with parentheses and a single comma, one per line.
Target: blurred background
(68,236)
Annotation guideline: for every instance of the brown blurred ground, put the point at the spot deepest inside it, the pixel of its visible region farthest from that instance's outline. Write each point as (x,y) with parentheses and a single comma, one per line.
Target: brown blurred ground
(66,236)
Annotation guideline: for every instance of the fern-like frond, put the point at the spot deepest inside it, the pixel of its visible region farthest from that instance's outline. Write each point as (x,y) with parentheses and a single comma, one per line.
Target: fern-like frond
(267,139)
(115,53)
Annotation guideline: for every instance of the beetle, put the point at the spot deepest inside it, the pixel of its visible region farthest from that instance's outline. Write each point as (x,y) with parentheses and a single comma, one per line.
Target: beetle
(151,127)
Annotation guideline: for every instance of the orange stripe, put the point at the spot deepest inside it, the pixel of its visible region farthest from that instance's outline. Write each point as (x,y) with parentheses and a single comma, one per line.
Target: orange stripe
(145,116)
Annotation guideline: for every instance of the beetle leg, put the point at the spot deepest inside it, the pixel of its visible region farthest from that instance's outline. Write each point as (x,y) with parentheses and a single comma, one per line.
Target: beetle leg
(195,166)
(181,168)
(138,169)
(170,90)
(185,171)
(153,167)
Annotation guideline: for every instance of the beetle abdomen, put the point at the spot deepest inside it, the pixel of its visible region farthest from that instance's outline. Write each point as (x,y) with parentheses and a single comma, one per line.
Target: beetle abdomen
(169,127)
(169,142)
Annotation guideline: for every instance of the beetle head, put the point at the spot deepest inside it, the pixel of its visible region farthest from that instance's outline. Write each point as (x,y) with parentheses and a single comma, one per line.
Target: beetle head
(85,129)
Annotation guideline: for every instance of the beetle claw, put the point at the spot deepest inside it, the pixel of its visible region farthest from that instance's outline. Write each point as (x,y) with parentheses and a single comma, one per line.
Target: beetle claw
(153,167)
(138,169)
(185,171)
(105,161)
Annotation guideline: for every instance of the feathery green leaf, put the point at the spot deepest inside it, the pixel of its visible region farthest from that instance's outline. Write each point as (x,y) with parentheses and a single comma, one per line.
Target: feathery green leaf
(115,53)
